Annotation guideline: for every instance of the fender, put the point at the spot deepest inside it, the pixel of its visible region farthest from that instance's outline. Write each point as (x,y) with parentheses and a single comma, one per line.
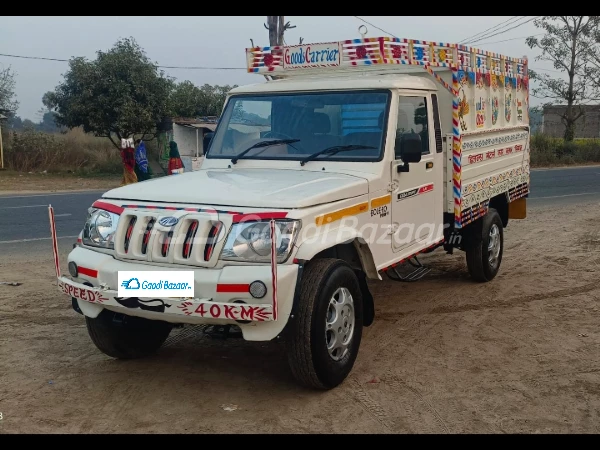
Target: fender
(310,248)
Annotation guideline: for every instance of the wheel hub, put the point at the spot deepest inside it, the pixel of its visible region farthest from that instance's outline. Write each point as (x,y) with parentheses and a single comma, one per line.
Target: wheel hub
(494,246)
(339,324)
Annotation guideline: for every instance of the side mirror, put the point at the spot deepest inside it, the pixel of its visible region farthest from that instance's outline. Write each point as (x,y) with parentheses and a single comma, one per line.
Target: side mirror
(408,148)
(207,140)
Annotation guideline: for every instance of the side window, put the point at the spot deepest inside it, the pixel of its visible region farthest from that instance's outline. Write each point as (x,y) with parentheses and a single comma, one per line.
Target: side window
(412,118)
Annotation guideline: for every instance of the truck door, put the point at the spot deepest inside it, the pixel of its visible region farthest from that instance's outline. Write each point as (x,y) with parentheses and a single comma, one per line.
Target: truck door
(417,194)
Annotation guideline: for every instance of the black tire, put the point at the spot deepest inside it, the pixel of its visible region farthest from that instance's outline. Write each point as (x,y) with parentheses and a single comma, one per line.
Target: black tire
(308,356)
(128,337)
(478,254)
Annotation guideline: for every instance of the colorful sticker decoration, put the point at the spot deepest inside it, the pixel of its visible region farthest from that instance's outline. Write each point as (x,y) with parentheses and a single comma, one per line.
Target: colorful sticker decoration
(479,82)
(507,106)
(519,110)
(471,76)
(480,113)
(495,110)
(361,52)
(419,53)
(463,110)
(268,60)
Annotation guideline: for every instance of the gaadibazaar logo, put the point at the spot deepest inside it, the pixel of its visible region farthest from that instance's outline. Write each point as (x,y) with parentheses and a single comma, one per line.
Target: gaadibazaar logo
(156,283)
(371,232)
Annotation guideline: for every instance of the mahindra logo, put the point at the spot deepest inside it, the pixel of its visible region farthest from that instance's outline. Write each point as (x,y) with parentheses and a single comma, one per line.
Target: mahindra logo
(168,221)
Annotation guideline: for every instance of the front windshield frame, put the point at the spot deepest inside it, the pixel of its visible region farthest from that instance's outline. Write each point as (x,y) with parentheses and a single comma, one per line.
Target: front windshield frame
(338,157)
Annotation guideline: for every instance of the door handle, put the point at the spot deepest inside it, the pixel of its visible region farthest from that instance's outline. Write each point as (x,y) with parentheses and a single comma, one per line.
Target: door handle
(428,164)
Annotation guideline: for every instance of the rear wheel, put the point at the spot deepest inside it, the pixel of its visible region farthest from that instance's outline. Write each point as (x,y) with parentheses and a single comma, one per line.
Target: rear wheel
(126,337)
(484,254)
(325,334)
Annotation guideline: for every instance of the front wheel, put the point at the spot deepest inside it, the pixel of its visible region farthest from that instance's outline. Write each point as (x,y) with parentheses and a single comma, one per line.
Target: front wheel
(326,331)
(127,337)
(484,255)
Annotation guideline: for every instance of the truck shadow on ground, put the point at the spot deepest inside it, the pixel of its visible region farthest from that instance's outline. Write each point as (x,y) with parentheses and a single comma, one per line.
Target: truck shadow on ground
(192,349)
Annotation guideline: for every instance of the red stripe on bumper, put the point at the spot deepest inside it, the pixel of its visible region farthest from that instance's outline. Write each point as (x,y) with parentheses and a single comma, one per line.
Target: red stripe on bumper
(89,272)
(108,207)
(233,287)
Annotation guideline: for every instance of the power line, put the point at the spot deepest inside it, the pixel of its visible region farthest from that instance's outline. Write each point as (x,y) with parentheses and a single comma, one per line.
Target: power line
(487,30)
(162,67)
(511,39)
(504,31)
(375,26)
(546,70)
(492,33)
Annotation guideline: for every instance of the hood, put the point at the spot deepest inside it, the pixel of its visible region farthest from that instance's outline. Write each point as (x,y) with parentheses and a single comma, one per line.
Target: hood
(254,188)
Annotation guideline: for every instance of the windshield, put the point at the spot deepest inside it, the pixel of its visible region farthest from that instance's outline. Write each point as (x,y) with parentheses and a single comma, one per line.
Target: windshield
(311,122)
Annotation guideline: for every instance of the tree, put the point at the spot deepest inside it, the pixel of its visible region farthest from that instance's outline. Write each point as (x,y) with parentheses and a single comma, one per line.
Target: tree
(119,94)
(8,103)
(47,100)
(188,100)
(569,43)
(14,122)
(214,98)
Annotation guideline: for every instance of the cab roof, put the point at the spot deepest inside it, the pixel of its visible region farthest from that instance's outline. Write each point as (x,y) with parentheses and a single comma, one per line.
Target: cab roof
(329,83)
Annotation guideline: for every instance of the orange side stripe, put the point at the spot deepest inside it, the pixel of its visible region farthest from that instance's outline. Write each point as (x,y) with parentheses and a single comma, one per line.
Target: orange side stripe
(338,215)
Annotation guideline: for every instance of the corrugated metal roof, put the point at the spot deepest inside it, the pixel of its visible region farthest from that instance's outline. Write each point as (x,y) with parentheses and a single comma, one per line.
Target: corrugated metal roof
(194,120)
(208,126)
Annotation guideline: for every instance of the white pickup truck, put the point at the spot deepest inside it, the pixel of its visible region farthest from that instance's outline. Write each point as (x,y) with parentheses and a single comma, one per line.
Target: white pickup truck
(355,156)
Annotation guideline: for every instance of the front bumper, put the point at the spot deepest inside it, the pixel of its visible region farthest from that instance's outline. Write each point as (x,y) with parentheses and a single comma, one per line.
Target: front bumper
(219,299)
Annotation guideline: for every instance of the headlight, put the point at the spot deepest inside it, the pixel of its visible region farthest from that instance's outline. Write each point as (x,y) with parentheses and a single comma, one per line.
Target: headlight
(251,241)
(100,228)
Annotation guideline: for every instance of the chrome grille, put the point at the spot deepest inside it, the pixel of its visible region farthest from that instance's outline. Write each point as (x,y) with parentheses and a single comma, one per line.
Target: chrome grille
(195,240)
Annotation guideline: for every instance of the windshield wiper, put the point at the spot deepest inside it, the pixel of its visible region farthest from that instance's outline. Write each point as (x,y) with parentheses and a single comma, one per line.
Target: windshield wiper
(235,159)
(333,150)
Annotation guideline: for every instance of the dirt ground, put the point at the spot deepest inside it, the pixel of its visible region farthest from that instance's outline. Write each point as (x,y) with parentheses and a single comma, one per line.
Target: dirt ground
(33,183)
(445,355)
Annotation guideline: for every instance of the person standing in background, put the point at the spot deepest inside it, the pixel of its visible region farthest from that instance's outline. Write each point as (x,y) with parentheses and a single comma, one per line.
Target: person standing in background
(142,169)
(175,163)
(128,157)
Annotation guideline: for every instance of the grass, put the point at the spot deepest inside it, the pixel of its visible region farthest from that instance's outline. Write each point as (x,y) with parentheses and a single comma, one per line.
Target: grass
(72,152)
(548,152)
(13,182)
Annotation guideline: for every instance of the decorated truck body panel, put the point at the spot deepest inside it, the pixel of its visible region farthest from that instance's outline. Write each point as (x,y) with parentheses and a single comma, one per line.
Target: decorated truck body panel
(485,100)
(352,159)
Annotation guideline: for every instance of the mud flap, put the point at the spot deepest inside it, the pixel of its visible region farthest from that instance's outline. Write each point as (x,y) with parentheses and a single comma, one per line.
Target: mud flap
(517,209)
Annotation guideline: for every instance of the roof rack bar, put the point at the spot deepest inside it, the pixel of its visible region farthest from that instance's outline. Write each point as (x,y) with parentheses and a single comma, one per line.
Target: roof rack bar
(385,54)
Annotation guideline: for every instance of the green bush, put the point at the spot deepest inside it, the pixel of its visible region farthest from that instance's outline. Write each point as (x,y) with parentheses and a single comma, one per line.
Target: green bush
(548,151)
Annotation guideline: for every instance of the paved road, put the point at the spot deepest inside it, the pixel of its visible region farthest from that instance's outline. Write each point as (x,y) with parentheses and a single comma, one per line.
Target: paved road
(24,225)
(560,186)
(24,218)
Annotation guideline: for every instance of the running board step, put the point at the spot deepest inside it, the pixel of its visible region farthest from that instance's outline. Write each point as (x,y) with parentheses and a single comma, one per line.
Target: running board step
(415,275)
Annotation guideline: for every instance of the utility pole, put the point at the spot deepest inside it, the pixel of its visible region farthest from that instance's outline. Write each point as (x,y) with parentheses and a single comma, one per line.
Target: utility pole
(276,27)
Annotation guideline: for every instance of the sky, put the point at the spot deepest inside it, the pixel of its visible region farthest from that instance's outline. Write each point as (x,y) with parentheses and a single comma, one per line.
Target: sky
(220,42)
